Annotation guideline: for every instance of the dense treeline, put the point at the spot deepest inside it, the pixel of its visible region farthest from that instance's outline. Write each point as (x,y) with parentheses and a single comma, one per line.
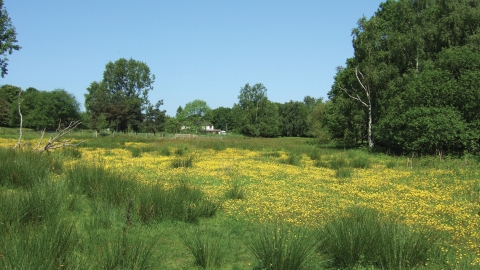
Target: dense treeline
(413,84)
(40,109)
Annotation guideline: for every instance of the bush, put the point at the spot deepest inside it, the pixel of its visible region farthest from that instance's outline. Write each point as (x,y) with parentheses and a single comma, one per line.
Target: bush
(281,247)
(374,240)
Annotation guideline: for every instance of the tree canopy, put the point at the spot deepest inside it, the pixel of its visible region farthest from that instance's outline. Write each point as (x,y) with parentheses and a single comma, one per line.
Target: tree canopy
(412,84)
(121,96)
(45,109)
(255,114)
(8,39)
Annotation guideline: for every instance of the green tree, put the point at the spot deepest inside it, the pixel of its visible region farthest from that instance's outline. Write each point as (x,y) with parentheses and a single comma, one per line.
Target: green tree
(194,114)
(8,99)
(8,38)
(122,95)
(255,114)
(293,115)
(413,60)
(49,110)
(222,118)
(172,125)
(154,119)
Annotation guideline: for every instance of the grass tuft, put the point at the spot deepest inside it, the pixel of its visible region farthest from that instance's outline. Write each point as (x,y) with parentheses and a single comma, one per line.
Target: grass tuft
(207,250)
(373,240)
(282,247)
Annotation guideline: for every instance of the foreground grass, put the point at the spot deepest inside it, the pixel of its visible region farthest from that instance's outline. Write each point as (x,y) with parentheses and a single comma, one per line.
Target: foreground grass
(256,181)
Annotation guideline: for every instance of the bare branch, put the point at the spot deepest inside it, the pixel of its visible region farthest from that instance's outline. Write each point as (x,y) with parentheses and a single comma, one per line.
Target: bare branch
(357,96)
(53,142)
(367,90)
(42,133)
(21,121)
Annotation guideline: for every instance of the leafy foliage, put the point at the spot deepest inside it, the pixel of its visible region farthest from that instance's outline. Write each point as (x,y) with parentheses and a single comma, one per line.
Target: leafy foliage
(8,38)
(121,96)
(413,78)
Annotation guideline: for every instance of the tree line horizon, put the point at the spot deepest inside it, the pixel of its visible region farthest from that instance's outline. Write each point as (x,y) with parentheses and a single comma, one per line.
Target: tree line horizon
(412,86)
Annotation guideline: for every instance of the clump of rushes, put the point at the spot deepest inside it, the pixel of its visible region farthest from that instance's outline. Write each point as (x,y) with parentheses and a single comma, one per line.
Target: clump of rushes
(181,203)
(292,159)
(236,191)
(207,249)
(126,251)
(343,173)
(373,240)
(282,247)
(102,184)
(182,162)
(23,168)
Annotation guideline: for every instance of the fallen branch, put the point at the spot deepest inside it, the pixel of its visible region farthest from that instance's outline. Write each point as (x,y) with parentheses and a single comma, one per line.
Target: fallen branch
(53,142)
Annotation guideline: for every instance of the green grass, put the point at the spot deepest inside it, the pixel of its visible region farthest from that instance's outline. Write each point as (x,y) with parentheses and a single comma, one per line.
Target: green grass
(207,248)
(182,162)
(282,247)
(374,240)
(24,168)
(102,184)
(181,203)
(56,216)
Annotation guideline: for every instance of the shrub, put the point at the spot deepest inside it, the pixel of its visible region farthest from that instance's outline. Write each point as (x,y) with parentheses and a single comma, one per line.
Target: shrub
(374,240)
(282,247)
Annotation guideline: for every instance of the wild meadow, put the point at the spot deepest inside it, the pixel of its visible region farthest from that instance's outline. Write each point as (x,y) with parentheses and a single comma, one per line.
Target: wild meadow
(145,202)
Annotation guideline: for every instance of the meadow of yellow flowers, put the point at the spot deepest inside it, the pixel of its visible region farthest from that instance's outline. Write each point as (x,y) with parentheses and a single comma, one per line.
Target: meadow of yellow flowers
(446,198)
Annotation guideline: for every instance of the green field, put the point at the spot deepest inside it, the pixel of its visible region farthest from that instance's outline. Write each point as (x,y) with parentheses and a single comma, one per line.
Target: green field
(150,202)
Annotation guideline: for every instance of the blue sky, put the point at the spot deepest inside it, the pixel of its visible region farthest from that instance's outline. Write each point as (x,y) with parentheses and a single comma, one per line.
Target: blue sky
(203,50)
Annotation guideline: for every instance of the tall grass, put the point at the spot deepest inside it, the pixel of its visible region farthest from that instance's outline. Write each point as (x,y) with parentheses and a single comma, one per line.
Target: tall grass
(41,202)
(281,247)
(124,251)
(182,162)
(40,247)
(181,203)
(208,250)
(236,191)
(23,168)
(101,184)
(364,238)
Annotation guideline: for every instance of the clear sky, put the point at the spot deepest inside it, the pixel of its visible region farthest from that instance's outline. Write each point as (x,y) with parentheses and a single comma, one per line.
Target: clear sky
(197,49)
